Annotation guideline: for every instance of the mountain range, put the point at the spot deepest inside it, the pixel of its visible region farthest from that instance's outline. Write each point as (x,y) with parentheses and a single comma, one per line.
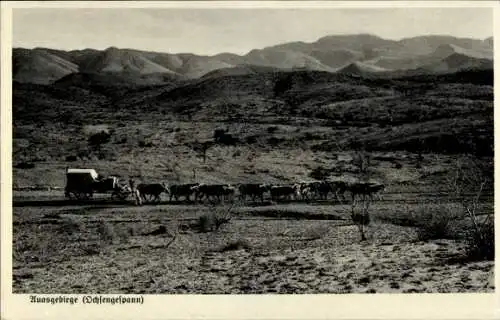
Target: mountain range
(353,54)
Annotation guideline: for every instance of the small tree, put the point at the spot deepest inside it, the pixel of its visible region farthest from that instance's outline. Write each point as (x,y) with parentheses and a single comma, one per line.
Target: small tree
(98,139)
(202,148)
(361,215)
(218,134)
(282,85)
(473,178)
(362,161)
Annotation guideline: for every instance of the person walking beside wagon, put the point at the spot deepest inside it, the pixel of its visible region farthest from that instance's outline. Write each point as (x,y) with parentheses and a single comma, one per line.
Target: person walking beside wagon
(136,194)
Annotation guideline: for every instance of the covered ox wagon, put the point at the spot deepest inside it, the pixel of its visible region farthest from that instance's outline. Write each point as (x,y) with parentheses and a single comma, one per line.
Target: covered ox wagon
(84,183)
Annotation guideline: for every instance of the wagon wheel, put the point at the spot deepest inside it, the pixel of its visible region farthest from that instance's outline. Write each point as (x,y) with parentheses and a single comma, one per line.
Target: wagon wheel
(119,194)
(83,195)
(123,195)
(114,194)
(78,195)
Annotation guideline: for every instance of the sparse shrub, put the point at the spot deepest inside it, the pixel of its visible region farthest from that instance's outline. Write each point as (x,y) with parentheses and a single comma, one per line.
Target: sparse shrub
(25,165)
(70,227)
(218,133)
(282,85)
(398,165)
(106,154)
(106,232)
(122,140)
(145,144)
(316,232)
(214,220)
(71,158)
(432,221)
(308,136)
(240,244)
(481,241)
(205,223)
(251,139)
(361,218)
(319,173)
(83,154)
(471,179)
(98,139)
(221,137)
(274,141)
(52,215)
(434,225)
(272,129)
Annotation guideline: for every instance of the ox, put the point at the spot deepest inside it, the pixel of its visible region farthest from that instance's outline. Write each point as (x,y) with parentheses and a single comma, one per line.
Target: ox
(182,190)
(253,190)
(338,188)
(153,190)
(314,190)
(217,191)
(135,192)
(365,189)
(278,192)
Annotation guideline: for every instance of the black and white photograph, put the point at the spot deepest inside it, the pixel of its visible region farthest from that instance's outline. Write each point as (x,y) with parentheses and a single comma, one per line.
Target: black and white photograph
(239,150)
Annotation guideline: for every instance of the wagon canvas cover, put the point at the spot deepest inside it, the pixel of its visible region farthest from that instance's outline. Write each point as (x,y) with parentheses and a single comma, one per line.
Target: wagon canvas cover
(80,179)
(92,172)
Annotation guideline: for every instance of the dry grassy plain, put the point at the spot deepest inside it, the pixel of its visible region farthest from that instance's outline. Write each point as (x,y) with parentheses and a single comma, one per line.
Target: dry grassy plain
(275,248)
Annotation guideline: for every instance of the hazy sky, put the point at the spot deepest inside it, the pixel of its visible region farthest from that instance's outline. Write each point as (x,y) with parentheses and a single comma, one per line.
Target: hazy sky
(211,31)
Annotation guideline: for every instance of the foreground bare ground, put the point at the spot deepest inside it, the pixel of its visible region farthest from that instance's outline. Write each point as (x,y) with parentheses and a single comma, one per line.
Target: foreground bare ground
(124,249)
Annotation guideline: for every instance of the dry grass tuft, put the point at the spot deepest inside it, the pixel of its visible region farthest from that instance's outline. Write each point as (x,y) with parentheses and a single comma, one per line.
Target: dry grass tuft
(316,233)
(481,241)
(240,244)
(215,219)
(436,223)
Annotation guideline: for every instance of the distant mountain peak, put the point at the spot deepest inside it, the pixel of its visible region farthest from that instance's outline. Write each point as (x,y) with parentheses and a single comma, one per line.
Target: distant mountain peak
(358,53)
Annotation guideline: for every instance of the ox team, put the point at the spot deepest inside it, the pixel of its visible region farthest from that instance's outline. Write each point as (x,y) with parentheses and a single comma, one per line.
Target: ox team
(315,190)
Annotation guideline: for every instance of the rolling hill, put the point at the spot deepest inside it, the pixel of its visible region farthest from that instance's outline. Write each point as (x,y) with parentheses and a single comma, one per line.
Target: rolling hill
(339,93)
(40,66)
(359,53)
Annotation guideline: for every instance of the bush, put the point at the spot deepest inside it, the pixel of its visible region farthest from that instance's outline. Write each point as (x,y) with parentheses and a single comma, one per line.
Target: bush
(99,139)
(319,173)
(272,129)
(274,141)
(144,144)
(83,154)
(481,241)
(25,165)
(212,222)
(106,232)
(436,221)
(71,158)
(251,139)
(433,221)
(236,245)
(435,226)
(218,133)
(221,137)
(361,218)
(109,234)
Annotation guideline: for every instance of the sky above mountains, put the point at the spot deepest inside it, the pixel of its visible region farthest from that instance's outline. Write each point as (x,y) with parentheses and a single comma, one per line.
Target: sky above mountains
(212,31)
